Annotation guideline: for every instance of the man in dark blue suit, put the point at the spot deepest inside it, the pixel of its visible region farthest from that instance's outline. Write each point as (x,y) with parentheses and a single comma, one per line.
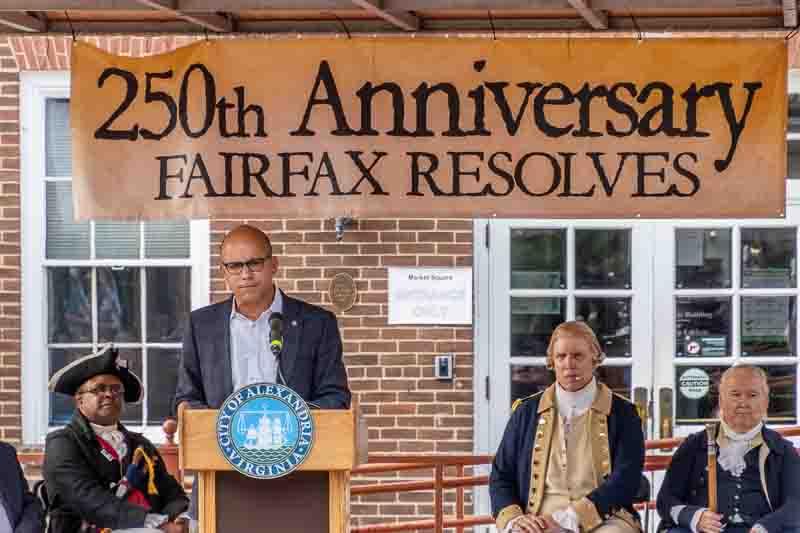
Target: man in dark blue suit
(20,511)
(226,345)
(758,471)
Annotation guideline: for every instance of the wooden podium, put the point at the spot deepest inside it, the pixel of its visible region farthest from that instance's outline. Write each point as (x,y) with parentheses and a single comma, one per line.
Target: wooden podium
(313,498)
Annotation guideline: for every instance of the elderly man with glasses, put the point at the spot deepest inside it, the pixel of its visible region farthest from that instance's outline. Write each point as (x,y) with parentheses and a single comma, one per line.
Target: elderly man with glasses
(226,346)
(99,476)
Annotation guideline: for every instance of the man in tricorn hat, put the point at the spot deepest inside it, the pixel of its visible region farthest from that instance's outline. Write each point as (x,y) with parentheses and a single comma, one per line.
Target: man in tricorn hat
(100,477)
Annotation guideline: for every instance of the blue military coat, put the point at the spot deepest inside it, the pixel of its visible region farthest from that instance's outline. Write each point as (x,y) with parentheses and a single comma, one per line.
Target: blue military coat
(685,482)
(516,485)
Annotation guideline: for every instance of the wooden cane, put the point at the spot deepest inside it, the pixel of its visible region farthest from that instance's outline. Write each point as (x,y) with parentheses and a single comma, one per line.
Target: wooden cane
(711,433)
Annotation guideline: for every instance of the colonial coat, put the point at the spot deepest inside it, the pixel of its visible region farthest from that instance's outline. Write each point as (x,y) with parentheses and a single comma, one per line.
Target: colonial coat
(686,482)
(78,477)
(517,482)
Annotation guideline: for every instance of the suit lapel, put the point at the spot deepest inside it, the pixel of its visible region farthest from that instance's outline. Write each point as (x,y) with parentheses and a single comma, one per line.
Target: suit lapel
(223,347)
(292,327)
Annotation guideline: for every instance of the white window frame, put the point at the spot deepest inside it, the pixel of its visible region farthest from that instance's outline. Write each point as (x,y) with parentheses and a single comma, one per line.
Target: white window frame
(36,88)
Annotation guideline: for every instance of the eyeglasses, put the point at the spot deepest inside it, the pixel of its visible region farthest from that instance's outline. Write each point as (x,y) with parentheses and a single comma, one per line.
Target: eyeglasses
(255,264)
(115,390)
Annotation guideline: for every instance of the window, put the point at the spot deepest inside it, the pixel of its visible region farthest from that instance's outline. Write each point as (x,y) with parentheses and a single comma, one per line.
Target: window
(543,289)
(735,301)
(86,283)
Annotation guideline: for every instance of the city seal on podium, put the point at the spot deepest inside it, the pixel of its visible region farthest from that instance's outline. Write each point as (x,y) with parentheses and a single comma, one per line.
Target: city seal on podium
(265,430)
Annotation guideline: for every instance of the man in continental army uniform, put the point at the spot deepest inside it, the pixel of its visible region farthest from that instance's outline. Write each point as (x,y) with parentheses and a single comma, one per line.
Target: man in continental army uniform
(571,457)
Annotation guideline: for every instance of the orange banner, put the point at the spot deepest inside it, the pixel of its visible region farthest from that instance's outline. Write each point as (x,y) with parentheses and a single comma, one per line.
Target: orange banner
(432,127)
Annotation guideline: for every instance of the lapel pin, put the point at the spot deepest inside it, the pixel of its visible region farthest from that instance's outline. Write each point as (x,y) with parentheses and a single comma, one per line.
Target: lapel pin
(294,323)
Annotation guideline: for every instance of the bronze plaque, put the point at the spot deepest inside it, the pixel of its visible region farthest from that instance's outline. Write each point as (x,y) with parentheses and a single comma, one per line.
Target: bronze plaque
(342,291)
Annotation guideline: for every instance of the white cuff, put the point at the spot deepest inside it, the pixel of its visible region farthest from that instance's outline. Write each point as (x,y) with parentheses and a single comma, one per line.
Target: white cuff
(696,519)
(153,521)
(675,512)
(567,519)
(758,528)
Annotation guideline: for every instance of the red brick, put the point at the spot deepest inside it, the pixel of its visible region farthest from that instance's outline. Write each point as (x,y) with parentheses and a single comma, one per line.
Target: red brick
(323,260)
(397,409)
(436,261)
(398,236)
(377,225)
(455,249)
(417,248)
(399,260)
(303,225)
(360,260)
(398,433)
(397,333)
(457,225)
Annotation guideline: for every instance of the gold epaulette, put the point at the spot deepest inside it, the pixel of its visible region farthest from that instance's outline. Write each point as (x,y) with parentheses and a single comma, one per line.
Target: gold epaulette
(520,401)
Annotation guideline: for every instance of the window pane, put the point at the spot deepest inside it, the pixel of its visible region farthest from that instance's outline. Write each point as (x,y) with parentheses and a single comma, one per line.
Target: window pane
(118,305)
(793,156)
(132,413)
(57,138)
(61,407)
(527,380)
(794,113)
(610,319)
(603,259)
(768,258)
(703,258)
(66,239)
(116,240)
(532,322)
(169,296)
(166,239)
(69,305)
(538,258)
(162,378)
(768,325)
(697,394)
(703,327)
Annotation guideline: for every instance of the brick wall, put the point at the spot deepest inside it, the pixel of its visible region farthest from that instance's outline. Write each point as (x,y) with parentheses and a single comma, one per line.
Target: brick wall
(390,368)
(10,404)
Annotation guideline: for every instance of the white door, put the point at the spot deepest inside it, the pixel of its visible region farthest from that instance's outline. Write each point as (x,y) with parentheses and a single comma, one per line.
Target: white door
(543,272)
(726,293)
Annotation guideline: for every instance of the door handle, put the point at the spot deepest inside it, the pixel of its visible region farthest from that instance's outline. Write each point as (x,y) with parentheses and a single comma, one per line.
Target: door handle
(640,400)
(665,412)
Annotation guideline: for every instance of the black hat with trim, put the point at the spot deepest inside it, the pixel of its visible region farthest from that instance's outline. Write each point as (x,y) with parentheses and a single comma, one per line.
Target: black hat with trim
(105,361)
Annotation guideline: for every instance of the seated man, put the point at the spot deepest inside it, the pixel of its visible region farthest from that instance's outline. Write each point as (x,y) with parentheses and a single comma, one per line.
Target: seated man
(101,477)
(20,511)
(571,457)
(758,471)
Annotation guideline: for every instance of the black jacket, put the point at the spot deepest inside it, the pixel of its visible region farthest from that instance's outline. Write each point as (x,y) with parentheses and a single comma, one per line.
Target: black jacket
(78,479)
(311,361)
(23,509)
(685,482)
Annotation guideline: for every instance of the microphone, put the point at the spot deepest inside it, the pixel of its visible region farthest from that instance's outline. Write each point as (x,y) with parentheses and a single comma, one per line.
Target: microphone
(276,343)
(276,334)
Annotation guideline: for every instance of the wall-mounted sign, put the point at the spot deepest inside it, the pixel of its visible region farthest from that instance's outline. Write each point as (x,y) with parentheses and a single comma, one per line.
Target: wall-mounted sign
(694,383)
(430,296)
(472,127)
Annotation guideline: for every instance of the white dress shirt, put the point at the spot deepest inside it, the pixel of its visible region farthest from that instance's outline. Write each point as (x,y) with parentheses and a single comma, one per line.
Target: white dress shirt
(5,523)
(251,359)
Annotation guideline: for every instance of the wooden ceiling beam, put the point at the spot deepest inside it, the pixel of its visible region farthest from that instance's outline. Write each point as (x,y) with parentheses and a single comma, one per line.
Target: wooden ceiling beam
(402,19)
(210,22)
(597,19)
(23,22)
(390,6)
(790,13)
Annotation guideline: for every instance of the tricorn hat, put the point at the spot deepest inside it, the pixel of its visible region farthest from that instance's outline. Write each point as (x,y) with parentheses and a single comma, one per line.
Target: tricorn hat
(105,361)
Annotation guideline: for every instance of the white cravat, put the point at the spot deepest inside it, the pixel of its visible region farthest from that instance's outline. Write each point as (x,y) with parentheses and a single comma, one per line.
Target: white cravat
(113,436)
(573,404)
(731,455)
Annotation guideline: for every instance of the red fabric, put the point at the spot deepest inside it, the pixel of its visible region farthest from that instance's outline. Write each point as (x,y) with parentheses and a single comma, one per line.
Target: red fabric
(134,496)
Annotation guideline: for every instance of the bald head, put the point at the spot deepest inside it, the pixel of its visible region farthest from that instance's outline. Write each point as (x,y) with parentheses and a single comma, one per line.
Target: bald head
(745,371)
(247,233)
